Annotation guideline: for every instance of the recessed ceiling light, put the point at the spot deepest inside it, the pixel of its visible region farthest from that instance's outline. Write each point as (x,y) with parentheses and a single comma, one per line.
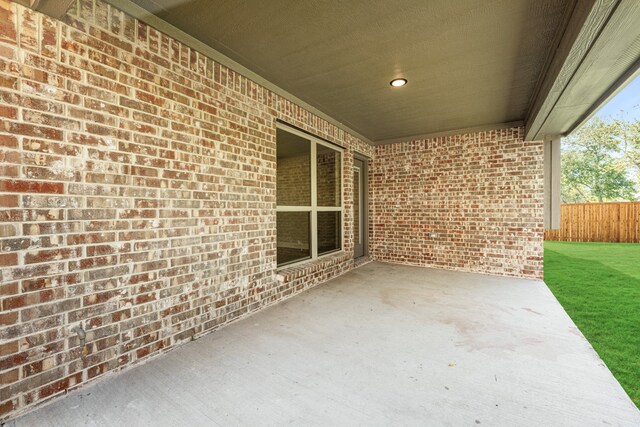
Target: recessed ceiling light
(398,82)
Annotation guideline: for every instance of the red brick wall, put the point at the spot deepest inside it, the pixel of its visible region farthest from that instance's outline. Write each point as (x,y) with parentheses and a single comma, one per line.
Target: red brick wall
(480,193)
(137,197)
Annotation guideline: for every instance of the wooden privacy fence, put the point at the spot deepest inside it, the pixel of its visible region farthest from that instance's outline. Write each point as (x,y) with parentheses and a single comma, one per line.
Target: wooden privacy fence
(598,222)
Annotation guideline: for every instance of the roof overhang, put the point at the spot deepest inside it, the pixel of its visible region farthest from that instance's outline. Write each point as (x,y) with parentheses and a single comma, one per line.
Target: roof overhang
(596,56)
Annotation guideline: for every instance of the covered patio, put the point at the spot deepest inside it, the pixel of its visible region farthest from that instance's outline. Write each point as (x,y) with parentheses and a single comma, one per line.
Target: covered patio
(382,344)
(170,167)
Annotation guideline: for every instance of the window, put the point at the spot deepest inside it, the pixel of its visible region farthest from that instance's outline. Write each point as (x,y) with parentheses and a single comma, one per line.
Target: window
(309,196)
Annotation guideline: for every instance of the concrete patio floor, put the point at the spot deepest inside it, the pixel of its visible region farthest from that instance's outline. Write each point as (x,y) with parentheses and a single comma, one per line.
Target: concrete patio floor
(381,345)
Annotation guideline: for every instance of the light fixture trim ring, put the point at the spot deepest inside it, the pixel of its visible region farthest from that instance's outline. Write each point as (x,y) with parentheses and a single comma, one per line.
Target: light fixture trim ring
(398,82)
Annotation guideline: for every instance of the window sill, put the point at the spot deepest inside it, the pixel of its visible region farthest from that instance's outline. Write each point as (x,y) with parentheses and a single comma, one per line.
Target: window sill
(289,272)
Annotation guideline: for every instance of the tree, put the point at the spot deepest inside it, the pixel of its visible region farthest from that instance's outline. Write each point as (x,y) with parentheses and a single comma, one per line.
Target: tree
(629,134)
(594,164)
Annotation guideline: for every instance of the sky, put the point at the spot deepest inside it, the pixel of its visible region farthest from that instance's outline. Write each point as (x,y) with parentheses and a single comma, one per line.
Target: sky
(625,101)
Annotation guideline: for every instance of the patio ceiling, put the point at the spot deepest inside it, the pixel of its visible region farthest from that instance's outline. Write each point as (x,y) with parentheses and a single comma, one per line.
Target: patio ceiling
(470,64)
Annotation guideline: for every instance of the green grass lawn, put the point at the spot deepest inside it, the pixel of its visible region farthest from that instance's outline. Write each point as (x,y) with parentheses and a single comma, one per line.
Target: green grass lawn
(598,284)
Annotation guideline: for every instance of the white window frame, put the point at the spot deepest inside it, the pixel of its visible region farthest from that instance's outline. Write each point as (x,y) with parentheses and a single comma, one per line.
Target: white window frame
(313,209)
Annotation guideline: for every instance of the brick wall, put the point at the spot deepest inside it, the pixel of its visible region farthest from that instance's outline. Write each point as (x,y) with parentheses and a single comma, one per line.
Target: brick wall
(480,193)
(137,197)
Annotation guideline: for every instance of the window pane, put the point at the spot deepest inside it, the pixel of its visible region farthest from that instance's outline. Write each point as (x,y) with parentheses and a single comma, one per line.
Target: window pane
(293,236)
(329,181)
(329,232)
(293,170)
